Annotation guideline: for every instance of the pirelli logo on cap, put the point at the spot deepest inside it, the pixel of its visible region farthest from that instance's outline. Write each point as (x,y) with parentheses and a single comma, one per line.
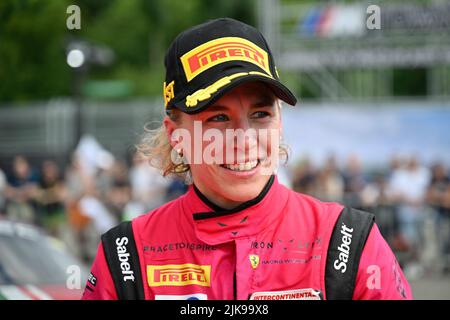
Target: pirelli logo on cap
(179,275)
(222,50)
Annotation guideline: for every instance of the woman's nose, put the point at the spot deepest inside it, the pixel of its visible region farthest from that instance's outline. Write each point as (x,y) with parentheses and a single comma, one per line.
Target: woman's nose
(241,123)
(245,139)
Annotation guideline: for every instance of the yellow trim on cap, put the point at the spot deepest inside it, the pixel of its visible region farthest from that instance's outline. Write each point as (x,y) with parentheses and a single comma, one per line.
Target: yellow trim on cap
(168,92)
(260,74)
(204,94)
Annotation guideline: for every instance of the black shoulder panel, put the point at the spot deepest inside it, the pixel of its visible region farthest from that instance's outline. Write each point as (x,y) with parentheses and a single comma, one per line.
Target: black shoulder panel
(344,252)
(123,261)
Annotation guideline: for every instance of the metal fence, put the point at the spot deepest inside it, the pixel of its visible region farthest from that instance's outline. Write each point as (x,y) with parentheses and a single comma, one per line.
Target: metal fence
(49,129)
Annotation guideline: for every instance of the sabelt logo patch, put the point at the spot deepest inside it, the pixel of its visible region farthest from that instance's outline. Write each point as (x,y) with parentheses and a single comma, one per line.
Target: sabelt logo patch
(298,294)
(179,275)
(222,50)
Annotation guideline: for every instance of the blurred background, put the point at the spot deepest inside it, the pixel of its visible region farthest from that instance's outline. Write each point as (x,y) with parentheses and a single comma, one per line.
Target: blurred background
(371,129)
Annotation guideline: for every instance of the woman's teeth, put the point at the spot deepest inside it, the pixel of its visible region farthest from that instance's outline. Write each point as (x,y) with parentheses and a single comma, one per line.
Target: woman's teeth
(242,166)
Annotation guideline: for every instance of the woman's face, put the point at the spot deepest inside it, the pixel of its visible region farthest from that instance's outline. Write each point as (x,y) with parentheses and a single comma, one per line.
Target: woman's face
(241,159)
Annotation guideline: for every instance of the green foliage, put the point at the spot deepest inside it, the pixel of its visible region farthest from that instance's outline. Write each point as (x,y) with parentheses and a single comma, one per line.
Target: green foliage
(33,35)
(123,27)
(410,82)
(32,61)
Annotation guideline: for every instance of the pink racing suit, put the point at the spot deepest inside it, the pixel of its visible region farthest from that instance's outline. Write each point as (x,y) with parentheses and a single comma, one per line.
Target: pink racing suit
(273,247)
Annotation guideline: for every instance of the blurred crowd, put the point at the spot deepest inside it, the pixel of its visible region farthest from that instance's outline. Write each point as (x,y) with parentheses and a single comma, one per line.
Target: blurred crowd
(411,203)
(79,202)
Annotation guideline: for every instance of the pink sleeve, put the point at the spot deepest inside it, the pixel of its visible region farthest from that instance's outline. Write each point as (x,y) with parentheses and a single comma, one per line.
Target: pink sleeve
(100,285)
(379,274)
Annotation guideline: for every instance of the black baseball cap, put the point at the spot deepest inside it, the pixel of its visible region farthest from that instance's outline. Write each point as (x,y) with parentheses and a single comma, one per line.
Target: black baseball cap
(208,60)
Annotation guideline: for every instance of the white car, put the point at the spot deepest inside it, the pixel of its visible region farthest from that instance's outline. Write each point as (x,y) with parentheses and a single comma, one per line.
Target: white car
(35,266)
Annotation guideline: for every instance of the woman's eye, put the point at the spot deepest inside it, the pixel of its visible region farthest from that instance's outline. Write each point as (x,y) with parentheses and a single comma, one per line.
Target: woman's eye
(219,118)
(260,114)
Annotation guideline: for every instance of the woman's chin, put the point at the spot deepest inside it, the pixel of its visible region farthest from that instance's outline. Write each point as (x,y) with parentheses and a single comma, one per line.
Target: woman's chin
(229,188)
(240,194)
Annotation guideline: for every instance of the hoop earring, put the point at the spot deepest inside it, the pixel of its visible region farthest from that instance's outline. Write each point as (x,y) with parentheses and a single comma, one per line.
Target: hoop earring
(181,167)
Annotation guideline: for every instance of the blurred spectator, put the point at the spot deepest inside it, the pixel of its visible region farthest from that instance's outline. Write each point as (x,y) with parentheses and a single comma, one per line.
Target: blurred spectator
(330,184)
(100,220)
(80,225)
(107,177)
(50,196)
(375,193)
(94,208)
(92,156)
(148,186)
(116,190)
(2,193)
(304,179)
(407,187)
(21,192)
(395,163)
(438,189)
(375,198)
(76,181)
(438,197)
(354,182)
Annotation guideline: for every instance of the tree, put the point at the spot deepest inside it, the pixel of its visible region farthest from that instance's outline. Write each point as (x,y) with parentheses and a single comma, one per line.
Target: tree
(33,36)
(32,64)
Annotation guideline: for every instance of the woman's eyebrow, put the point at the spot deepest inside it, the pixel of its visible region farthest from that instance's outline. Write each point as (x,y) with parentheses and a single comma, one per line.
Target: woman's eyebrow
(261,101)
(216,107)
(264,101)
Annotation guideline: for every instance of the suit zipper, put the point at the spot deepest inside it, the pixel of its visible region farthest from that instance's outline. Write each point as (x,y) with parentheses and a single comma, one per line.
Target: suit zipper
(234,285)
(235,271)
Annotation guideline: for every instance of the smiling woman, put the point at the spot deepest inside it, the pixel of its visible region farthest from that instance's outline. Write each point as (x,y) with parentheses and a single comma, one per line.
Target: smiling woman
(244,125)
(213,136)
(222,128)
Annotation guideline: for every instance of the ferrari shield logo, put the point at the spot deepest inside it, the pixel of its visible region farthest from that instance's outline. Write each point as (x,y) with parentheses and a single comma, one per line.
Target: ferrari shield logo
(254,260)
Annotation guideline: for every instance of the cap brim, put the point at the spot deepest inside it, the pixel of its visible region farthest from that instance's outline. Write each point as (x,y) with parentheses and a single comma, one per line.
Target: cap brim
(280,90)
